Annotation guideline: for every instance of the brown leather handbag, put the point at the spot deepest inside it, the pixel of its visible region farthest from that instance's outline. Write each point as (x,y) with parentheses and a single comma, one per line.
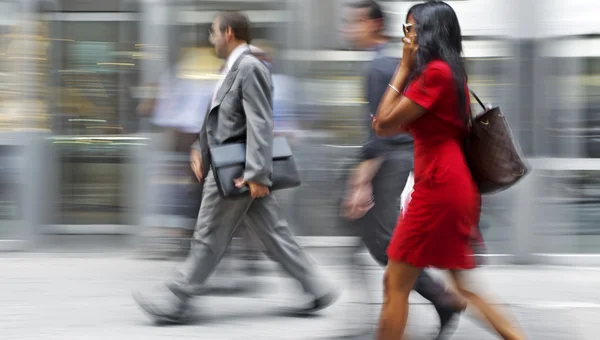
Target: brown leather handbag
(493,154)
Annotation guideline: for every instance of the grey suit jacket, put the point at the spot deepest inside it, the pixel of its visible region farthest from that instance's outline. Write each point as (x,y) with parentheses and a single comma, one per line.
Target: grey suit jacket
(242,112)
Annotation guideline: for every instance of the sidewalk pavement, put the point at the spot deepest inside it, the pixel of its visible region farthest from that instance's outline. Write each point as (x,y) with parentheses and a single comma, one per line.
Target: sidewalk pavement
(89,297)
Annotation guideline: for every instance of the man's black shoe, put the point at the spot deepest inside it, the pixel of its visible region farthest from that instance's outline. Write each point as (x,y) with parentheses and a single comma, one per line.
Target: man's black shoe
(448,321)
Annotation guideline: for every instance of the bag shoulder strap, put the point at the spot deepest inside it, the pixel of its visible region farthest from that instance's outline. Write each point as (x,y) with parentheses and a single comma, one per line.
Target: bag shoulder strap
(480,103)
(477,99)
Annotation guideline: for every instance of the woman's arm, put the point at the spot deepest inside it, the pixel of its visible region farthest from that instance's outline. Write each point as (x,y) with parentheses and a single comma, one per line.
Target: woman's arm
(390,132)
(391,95)
(395,110)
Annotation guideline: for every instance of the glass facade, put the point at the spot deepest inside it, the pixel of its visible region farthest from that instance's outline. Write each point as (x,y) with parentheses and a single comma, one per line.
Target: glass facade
(95,63)
(97,71)
(75,73)
(566,200)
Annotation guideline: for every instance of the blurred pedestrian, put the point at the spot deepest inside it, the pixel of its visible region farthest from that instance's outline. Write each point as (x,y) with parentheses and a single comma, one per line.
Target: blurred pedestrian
(284,90)
(176,113)
(428,97)
(375,186)
(240,110)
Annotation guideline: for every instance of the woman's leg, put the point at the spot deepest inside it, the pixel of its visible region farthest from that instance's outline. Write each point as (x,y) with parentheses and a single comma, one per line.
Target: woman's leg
(490,314)
(398,281)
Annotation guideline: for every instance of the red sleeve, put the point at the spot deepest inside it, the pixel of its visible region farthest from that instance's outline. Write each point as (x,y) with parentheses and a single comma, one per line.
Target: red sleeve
(427,88)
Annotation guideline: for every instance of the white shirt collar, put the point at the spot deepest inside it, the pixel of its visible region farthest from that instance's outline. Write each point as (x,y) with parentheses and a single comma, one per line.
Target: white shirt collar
(235,55)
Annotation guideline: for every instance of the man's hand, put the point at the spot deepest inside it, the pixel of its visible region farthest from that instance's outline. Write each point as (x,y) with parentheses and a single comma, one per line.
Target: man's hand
(358,201)
(359,198)
(257,190)
(196,164)
(145,107)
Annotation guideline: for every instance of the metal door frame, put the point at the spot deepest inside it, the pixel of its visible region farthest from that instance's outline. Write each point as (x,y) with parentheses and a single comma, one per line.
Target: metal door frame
(32,180)
(564,49)
(136,153)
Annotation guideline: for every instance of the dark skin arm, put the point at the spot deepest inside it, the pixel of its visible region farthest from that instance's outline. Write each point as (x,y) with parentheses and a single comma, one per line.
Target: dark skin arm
(396,111)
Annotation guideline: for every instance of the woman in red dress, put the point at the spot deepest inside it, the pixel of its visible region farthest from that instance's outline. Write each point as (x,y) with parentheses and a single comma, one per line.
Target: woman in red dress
(435,229)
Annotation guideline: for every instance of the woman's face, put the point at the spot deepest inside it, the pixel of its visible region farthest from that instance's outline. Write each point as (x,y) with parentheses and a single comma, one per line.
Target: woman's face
(409,27)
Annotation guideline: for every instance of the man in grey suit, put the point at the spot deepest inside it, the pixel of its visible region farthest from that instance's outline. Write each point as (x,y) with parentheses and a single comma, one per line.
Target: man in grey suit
(241,111)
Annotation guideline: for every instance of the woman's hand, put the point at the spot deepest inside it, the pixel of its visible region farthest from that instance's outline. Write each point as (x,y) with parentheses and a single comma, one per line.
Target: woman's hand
(375,125)
(409,54)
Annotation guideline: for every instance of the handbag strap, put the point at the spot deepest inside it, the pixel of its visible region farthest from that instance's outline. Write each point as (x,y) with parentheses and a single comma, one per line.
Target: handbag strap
(480,103)
(478,100)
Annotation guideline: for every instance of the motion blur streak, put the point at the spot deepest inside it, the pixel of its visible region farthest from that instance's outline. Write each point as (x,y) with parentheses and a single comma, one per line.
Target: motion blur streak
(98,106)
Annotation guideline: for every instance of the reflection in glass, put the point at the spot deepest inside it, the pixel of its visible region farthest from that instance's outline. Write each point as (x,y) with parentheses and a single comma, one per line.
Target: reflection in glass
(488,78)
(95,180)
(567,212)
(98,73)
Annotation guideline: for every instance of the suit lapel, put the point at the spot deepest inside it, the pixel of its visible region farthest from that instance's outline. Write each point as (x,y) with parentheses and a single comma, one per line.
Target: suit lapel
(227,82)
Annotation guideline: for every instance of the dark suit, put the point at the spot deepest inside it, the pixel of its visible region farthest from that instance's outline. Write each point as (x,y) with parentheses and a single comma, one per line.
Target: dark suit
(242,112)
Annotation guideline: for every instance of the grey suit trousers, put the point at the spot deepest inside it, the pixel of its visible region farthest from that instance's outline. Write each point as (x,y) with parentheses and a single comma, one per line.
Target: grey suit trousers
(217,222)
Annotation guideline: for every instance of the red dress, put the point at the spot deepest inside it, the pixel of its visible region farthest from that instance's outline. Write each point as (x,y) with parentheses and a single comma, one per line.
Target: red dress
(436,226)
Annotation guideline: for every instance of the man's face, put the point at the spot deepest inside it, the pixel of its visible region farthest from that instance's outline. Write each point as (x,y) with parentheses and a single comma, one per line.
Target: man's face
(219,39)
(358,28)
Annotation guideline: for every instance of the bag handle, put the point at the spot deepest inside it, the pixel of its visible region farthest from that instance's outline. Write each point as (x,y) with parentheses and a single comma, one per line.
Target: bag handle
(478,100)
(480,103)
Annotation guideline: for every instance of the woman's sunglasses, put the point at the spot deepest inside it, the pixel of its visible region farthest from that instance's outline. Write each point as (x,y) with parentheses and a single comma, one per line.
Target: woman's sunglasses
(407,28)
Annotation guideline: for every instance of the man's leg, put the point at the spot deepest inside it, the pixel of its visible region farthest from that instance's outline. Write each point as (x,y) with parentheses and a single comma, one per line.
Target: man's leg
(252,251)
(217,221)
(379,224)
(264,218)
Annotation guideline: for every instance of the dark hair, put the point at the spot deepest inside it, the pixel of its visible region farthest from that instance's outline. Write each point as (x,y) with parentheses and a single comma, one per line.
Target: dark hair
(375,12)
(439,38)
(239,23)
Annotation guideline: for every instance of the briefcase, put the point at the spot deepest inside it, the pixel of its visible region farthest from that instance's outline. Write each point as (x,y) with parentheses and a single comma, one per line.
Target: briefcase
(228,163)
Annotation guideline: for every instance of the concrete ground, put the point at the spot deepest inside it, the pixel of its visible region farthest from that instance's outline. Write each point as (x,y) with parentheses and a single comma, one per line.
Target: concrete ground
(65,296)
